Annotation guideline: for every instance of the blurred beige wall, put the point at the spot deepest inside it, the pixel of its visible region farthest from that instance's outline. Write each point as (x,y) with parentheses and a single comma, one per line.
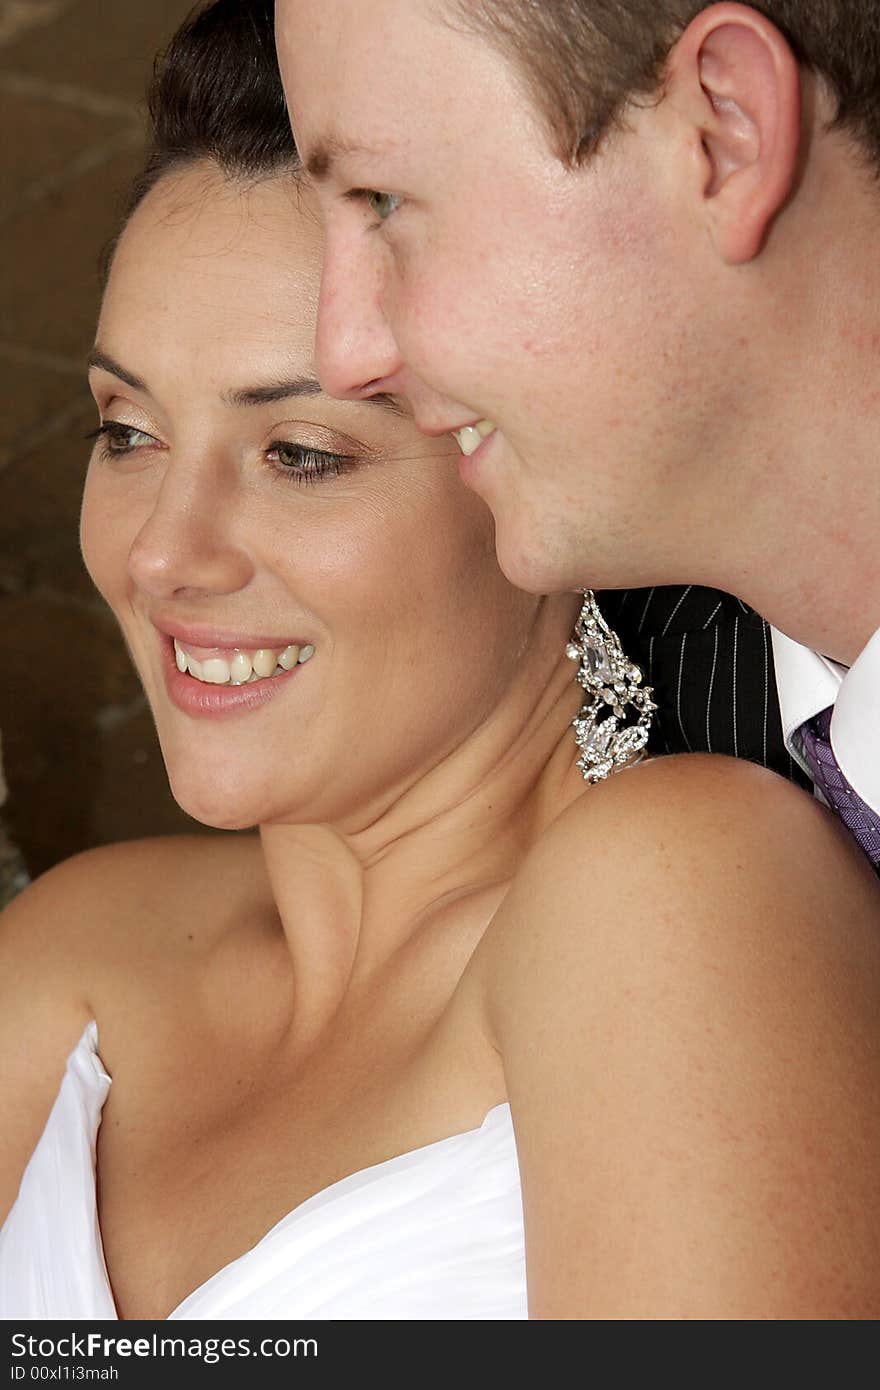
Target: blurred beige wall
(79,753)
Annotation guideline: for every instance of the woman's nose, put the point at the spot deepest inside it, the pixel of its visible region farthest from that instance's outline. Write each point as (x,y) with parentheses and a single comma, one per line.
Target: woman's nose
(355,350)
(187,544)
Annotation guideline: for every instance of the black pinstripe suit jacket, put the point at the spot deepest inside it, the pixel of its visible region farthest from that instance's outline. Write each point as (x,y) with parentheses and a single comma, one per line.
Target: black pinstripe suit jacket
(710,661)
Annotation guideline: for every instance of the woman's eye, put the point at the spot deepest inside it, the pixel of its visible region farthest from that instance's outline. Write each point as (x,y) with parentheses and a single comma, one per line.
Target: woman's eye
(383,204)
(120,439)
(304,465)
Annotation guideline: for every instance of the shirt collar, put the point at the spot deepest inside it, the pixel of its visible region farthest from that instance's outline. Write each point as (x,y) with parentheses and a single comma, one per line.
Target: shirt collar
(808,683)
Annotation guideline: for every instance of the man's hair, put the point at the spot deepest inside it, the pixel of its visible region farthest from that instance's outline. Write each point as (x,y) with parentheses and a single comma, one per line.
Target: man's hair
(584,60)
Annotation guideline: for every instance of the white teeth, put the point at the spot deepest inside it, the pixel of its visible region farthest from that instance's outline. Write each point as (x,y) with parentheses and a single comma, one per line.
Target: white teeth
(264,662)
(240,668)
(468,440)
(471,436)
(215,671)
(288,658)
(243,667)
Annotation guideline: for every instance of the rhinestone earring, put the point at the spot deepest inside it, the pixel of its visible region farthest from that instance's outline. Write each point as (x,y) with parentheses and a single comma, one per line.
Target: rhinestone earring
(607,733)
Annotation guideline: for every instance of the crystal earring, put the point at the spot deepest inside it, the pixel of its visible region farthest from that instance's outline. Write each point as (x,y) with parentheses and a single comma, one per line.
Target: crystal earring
(607,734)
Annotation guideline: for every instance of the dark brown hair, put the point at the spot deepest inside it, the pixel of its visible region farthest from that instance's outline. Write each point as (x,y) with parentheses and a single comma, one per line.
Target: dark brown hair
(584,60)
(216,94)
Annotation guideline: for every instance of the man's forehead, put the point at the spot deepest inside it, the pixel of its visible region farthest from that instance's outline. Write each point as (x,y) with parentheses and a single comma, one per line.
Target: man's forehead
(388,86)
(332,38)
(332,52)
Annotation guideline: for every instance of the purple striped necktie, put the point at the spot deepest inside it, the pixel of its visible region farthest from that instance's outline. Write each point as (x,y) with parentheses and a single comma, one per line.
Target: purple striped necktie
(862,823)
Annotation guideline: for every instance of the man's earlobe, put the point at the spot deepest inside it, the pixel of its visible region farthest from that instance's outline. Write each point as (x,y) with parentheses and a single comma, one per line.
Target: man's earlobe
(745,97)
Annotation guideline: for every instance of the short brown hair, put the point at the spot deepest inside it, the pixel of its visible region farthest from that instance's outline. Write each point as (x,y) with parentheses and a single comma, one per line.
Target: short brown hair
(584,60)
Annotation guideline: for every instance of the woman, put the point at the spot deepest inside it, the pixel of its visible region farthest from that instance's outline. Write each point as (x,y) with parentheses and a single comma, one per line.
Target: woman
(322,1038)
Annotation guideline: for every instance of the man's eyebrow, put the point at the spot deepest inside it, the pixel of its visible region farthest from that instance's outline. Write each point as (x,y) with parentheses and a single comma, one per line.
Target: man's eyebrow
(326,152)
(98,358)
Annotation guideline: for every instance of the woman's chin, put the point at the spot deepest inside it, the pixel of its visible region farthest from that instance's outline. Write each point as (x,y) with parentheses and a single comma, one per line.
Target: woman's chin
(216,817)
(222,806)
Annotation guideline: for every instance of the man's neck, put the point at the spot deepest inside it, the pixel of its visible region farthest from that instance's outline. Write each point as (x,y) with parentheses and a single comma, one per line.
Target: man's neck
(800,499)
(808,558)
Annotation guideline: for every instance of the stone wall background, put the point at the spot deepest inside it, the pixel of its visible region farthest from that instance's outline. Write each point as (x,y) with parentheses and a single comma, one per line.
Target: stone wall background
(80,756)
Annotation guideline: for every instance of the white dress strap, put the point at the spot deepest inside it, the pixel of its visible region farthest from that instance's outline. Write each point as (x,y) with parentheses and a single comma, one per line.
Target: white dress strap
(51,1256)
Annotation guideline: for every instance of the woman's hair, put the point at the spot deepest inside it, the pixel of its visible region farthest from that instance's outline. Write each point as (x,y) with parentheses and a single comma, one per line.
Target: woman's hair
(216,95)
(585,59)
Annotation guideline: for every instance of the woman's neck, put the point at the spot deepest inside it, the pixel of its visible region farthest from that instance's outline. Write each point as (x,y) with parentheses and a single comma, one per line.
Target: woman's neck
(351,897)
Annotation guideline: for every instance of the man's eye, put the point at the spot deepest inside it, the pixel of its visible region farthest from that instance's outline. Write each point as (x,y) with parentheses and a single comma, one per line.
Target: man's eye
(383,204)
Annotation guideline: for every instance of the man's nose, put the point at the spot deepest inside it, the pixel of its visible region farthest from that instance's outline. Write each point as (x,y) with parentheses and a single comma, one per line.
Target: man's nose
(187,543)
(356,351)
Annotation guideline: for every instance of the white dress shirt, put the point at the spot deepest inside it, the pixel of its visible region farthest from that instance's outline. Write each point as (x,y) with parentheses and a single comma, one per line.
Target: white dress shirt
(808,683)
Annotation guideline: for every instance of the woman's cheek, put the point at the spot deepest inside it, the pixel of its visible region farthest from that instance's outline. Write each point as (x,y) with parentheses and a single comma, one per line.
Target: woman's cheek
(90,531)
(106,534)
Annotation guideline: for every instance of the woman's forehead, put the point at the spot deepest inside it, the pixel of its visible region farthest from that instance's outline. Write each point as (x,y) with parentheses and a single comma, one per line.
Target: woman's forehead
(198,215)
(215,276)
(217,248)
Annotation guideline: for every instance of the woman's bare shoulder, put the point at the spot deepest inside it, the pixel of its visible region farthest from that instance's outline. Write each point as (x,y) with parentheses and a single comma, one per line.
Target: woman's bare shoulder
(705,850)
(97,926)
(108,893)
(684,984)
(696,826)
(682,859)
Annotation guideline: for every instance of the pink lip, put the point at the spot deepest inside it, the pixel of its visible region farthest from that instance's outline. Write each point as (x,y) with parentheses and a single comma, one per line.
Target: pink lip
(469,464)
(434,431)
(224,638)
(203,701)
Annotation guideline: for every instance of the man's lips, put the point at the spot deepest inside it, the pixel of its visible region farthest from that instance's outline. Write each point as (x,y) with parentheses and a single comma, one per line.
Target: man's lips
(471,462)
(470,437)
(434,428)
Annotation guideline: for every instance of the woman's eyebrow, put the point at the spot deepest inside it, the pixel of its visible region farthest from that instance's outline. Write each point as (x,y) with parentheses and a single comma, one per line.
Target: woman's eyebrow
(248,395)
(273,391)
(290,389)
(298,387)
(98,358)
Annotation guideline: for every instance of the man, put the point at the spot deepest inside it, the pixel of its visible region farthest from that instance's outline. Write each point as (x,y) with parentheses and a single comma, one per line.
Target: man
(629,255)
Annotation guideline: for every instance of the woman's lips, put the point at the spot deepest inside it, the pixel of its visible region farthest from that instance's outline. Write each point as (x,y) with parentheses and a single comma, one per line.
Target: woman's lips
(204,701)
(201,635)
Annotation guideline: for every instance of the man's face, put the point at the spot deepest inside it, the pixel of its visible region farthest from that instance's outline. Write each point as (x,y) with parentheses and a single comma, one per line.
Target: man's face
(469,270)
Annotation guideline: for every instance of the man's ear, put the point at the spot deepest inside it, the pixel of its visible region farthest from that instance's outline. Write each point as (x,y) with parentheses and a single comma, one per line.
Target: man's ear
(734,77)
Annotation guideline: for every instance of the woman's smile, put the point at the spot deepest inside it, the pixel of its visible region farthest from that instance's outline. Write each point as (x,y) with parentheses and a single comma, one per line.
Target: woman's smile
(214,682)
(270,551)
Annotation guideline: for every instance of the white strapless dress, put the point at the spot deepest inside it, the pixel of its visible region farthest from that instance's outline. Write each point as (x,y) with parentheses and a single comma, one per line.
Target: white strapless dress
(435,1233)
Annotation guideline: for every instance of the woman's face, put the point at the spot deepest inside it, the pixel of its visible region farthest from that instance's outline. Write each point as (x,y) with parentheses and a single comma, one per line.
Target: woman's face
(231,506)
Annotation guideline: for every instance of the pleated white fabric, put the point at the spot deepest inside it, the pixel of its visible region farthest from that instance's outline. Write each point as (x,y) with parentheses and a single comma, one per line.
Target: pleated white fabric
(51,1256)
(436,1233)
